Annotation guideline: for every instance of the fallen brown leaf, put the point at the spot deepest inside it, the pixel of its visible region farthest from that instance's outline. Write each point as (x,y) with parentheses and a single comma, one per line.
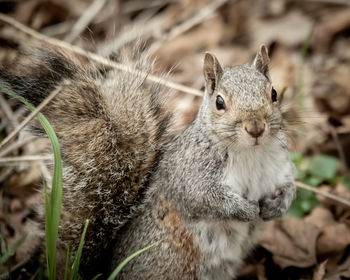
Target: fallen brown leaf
(341,272)
(330,25)
(292,243)
(320,271)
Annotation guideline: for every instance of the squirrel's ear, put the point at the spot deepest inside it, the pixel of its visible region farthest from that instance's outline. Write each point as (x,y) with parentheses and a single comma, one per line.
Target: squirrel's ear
(262,60)
(212,72)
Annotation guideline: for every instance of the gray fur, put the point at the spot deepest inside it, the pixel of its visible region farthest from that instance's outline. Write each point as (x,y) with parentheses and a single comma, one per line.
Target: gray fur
(203,197)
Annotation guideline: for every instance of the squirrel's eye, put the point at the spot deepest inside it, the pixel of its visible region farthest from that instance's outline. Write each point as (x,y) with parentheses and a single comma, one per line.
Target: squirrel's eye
(273,95)
(220,103)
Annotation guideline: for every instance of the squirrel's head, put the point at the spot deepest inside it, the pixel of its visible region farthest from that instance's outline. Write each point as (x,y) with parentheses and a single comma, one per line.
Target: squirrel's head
(243,106)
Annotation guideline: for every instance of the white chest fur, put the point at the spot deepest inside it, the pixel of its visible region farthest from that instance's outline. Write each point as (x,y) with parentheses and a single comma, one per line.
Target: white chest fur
(253,174)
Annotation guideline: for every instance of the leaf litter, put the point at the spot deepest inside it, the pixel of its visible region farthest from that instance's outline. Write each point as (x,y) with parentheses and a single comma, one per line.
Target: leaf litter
(314,246)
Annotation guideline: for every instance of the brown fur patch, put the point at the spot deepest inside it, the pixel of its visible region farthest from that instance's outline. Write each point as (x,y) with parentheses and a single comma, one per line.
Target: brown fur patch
(169,218)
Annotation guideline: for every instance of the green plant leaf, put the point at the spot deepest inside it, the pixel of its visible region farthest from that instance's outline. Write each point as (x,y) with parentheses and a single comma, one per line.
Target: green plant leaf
(40,273)
(309,204)
(67,263)
(344,180)
(52,203)
(312,181)
(301,174)
(295,210)
(75,266)
(297,158)
(11,251)
(323,167)
(124,262)
(97,276)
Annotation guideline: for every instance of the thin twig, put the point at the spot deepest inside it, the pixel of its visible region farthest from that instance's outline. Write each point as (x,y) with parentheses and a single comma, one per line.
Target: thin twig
(31,116)
(85,20)
(96,57)
(16,145)
(134,6)
(197,18)
(342,130)
(332,2)
(5,173)
(3,123)
(25,158)
(46,174)
(8,111)
(340,151)
(323,193)
(57,29)
(143,25)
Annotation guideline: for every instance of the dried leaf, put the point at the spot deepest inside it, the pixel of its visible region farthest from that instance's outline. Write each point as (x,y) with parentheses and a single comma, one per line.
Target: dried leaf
(320,271)
(330,25)
(341,272)
(290,30)
(292,243)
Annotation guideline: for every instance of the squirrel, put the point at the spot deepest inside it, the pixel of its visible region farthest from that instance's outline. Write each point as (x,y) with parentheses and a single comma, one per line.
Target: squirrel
(216,182)
(203,193)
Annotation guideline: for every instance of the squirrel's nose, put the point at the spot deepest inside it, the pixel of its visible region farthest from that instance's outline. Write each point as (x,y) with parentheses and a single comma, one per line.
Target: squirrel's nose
(255,128)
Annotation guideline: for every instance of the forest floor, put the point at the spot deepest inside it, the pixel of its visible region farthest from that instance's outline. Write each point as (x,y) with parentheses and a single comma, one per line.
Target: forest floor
(309,46)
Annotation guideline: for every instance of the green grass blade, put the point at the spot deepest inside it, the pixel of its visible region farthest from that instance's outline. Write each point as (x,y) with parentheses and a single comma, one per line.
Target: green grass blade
(67,263)
(75,266)
(47,226)
(11,251)
(40,273)
(97,276)
(124,262)
(52,203)
(3,238)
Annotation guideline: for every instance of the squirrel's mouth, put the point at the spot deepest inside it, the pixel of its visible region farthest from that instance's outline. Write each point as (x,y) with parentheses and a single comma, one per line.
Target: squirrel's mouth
(256,143)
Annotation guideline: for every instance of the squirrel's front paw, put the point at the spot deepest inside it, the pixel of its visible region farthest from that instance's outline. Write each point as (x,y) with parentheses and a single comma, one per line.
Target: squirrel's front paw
(250,212)
(272,207)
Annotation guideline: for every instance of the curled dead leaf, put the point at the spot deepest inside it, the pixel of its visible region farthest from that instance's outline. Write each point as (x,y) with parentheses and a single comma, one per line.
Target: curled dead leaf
(320,271)
(292,243)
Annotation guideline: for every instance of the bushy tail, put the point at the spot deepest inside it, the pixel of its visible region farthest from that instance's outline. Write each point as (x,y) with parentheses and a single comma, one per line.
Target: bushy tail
(110,126)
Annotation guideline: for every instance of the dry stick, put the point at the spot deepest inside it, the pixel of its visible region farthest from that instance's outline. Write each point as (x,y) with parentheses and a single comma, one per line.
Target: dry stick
(8,111)
(16,145)
(323,193)
(13,119)
(198,17)
(131,6)
(46,173)
(96,57)
(5,173)
(30,117)
(143,27)
(339,2)
(340,151)
(85,20)
(343,130)
(57,29)
(25,158)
